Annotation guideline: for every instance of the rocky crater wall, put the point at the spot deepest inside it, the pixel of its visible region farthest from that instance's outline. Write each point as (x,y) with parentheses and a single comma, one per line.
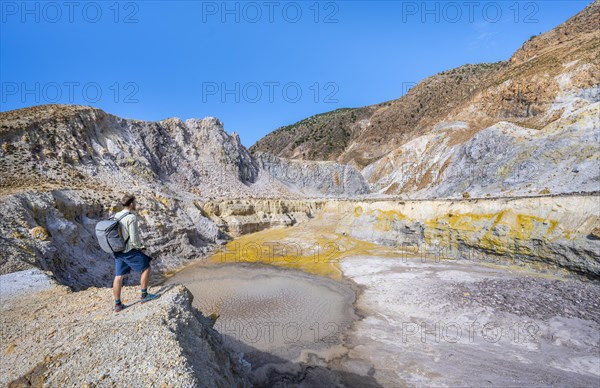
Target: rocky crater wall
(242,216)
(54,231)
(560,232)
(314,178)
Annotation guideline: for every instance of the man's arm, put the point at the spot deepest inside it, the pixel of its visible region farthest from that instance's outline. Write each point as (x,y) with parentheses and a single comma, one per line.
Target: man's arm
(134,234)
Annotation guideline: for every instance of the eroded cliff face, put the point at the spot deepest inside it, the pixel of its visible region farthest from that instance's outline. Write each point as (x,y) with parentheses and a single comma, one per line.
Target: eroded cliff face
(63,168)
(241,216)
(314,179)
(55,231)
(74,147)
(504,159)
(556,234)
(544,232)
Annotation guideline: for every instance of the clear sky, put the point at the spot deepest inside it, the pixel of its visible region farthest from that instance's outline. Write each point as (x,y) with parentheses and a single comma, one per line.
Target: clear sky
(254,65)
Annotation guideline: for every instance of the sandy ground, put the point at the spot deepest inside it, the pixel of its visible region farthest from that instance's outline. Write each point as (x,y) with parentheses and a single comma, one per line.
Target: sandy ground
(23,283)
(447,323)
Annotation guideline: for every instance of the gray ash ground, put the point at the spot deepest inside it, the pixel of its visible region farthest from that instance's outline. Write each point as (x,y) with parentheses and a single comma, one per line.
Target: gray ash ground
(534,297)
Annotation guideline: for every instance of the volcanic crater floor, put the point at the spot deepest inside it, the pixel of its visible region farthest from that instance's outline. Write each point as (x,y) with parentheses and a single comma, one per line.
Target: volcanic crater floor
(306,313)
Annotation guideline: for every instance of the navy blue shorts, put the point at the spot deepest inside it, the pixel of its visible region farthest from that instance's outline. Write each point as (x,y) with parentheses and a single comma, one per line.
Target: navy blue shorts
(133,260)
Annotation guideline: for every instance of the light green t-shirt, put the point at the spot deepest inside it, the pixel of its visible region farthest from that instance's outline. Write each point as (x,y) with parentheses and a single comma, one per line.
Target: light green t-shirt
(130,230)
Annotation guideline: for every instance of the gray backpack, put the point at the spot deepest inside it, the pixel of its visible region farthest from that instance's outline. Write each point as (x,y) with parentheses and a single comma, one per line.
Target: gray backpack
(109,235)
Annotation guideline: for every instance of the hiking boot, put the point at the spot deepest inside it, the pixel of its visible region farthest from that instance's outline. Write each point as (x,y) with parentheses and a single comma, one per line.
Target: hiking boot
(118,307)
(149,297)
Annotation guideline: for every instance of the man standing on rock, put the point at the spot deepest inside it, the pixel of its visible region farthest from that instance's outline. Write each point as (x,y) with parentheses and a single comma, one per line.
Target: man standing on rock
(131,257)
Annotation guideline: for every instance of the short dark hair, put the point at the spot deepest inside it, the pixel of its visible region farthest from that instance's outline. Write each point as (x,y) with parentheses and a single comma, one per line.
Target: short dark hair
(127,200)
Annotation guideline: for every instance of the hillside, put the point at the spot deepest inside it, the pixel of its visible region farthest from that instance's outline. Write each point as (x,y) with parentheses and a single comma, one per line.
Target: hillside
(363,135)
(407,146)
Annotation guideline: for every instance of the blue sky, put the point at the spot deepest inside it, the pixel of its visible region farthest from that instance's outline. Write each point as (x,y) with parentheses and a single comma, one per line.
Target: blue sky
(255,65)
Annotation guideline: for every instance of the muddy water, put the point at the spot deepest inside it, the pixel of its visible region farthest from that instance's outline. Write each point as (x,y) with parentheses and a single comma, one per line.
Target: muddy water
(270,314)
(282,299)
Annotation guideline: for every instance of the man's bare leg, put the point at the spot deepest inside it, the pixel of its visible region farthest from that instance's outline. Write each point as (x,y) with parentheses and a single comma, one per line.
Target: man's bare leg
(145,278)
(117,286)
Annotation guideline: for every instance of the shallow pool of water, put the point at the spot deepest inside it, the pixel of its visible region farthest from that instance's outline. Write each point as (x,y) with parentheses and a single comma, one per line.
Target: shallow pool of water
(272,313)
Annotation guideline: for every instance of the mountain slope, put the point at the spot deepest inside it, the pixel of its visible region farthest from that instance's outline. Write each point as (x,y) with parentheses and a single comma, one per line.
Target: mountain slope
(362,135)
(78,146)
(408,145)
(535,130)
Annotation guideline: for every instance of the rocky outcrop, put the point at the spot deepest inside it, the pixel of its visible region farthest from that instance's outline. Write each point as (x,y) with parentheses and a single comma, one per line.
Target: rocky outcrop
(241,216)
(314,178)
(80,341)
(550,232)
(174,231)
(64,146)
(63,168)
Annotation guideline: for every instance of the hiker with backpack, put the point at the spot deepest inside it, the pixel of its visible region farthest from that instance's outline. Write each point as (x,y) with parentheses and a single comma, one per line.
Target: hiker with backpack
(121,236)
